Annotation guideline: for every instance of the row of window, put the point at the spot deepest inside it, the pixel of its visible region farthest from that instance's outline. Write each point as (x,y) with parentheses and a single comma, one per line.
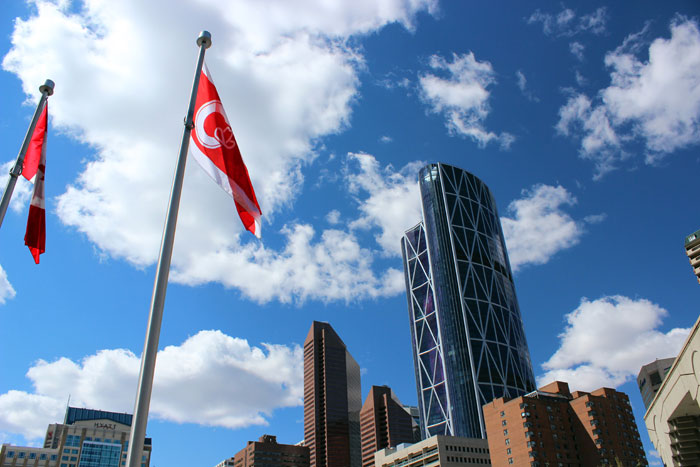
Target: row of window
(466,449)
(32,455)
(471,460)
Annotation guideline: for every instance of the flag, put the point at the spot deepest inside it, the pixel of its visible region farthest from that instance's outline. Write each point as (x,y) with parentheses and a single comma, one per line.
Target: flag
(34,167)
(213,145)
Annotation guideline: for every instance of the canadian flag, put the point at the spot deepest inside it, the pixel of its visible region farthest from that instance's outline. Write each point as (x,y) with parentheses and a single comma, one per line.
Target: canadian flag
(213,145)
(34,167)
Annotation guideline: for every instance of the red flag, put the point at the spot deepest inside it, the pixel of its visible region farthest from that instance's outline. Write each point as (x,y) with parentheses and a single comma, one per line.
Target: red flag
(214,147)
(34,167)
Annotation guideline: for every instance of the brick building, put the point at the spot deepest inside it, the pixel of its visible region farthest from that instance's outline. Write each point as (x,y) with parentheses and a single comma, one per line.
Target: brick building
(383,423)
(267,452)
(553,426)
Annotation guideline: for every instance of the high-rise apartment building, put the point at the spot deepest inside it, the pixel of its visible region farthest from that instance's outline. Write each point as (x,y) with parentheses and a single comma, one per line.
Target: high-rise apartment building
(651,376)
(86,438)
(468,340)
(383,423)
(692,249)
(332,400)
(267,452)
(553,426)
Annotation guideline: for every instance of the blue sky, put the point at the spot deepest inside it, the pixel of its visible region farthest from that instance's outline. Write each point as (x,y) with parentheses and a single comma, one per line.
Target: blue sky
(582,117)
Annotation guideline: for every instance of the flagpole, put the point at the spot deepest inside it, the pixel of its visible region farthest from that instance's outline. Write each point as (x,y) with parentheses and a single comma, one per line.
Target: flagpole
(148,359)
(46,90)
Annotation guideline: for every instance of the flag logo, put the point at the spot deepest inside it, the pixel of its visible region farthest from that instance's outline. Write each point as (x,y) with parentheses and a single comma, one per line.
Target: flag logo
(215,149)
(211,115)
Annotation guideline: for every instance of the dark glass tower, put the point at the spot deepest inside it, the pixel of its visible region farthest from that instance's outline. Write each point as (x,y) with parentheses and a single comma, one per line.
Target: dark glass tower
(332,400)
(467,334)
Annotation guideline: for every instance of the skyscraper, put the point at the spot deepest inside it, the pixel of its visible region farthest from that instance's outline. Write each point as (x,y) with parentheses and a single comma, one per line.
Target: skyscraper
(692,249)
(383,423)
(332,400)
(468,340)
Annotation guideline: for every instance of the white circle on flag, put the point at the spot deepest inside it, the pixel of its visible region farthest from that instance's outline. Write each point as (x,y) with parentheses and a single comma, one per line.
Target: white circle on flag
(221,135)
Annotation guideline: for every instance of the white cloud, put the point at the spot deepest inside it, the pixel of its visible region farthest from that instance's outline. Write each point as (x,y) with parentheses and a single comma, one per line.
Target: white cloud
(285,73)
(576,49)
(522,85)
(566,23)
(462,97)
(204,380)
(656,102)
(606,341)
(7,292)
(386,139)
(333,217)
(393,204)
(539,227)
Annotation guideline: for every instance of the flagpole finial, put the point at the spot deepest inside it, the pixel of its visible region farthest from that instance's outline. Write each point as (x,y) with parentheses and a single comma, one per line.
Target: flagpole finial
(47,87)
(204,39)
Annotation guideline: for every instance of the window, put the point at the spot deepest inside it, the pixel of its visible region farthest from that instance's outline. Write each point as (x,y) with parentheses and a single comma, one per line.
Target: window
(504,422)
(508,451)
(32,455)
(505,432)
(525,414)
(507,441)
(527,424)
(510,460)
(503,414)
(42,457)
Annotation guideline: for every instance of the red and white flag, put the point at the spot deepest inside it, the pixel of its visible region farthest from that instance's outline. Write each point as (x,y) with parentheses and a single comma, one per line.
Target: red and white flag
(213,145)
(33,168)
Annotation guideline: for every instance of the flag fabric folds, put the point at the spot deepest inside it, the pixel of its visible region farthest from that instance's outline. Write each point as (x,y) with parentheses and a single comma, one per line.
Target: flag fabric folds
(215,149)
(34,167)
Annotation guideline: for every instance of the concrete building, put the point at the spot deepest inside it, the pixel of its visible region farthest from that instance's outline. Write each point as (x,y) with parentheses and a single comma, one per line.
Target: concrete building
(650,377)
(692,249)
(266,452)
(383,423)
(436,451)
(86,438)
(673,417)
(555,427)
(332,400)
(467,335)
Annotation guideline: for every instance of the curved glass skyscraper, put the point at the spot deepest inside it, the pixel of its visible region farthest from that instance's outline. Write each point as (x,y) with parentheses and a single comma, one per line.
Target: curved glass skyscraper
(468,341)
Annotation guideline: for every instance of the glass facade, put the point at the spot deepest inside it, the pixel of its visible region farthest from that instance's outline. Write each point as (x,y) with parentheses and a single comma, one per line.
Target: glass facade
(98,454)
(469,346)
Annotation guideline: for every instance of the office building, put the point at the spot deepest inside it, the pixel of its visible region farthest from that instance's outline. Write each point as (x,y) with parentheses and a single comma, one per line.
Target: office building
(468,340)
(86,438)
(266,452)
(673,417)
(436,451)
(692,249)
(383,423)
(650,377)
(332,400)
(553,426)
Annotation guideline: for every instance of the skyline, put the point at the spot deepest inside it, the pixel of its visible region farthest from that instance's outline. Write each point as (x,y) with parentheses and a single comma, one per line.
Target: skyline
(580,117)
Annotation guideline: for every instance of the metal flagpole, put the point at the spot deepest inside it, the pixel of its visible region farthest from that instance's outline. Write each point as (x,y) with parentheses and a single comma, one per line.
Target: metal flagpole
(46,90)
(148,359)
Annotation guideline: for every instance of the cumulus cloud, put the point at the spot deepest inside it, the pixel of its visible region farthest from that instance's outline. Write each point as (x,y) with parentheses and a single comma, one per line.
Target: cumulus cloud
(7,292)
(538,226)
(285,72)
(655,102)
(606,341)
(393,200)
(567,23)
(462,96)
(204,380)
